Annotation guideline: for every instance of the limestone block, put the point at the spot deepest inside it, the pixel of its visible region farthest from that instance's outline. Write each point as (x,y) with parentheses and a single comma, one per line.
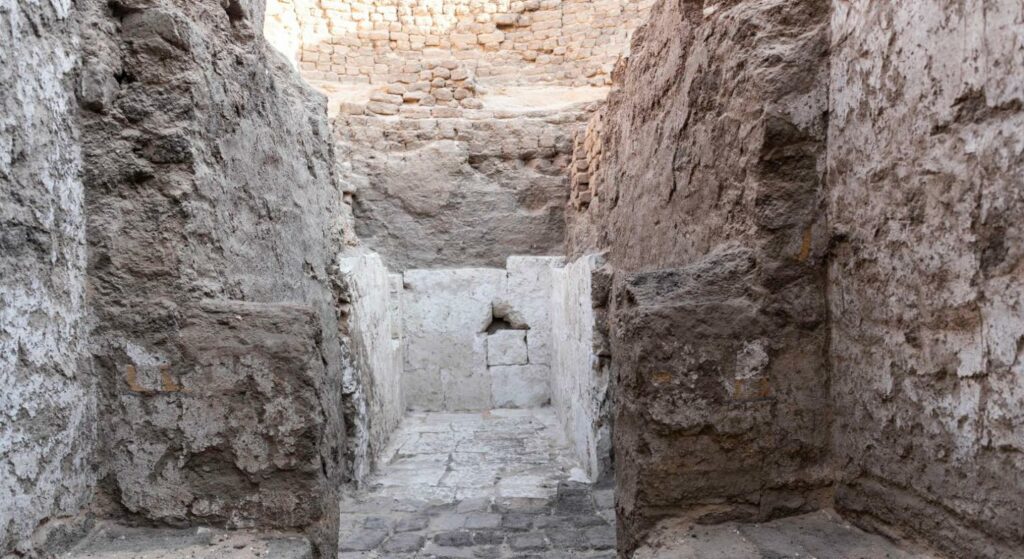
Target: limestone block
(507,347)
(519,386)
(382,108)
(580,368)
(529,286)
(445,317)
(386,98)
(371,323)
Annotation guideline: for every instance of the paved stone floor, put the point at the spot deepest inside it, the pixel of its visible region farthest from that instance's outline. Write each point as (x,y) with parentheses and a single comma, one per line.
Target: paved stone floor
(497,484)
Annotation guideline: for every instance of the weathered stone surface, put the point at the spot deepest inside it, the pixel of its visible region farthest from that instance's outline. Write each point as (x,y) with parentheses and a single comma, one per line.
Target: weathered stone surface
(570,42)
(370,317)
(454,192)
(232,422)
(926,155)
(709,200)
(580,366)
(474,485)
(210,175)
(528,300)
(47,403)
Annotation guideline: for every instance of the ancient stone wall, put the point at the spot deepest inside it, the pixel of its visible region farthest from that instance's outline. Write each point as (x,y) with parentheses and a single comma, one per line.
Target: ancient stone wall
(580,366)
(926,286)
(47,405)
(370,308)
(458,190)
(709,198)
(213,209)
(569,42)
(478,338)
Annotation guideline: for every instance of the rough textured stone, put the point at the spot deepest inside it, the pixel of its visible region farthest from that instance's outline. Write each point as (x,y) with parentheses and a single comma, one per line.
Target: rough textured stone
(926,155)
(110,541)
(710,200)
(48,403)
(210,176)
(454,192)
(241,407)
(710,203)
(571,42)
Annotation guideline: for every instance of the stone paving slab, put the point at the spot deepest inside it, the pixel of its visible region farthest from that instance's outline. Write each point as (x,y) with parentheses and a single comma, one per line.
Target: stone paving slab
(508,488)
(111,541)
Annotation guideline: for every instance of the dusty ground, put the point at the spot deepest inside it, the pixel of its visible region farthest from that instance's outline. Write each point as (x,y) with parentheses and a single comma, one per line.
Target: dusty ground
(109,541)
(818,535)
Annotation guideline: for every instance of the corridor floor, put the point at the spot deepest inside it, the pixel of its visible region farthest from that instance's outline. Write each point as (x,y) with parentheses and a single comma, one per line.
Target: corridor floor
(496,484)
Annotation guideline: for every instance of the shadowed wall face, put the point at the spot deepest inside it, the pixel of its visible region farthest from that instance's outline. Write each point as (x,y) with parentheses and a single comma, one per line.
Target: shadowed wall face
(213,220)
(703,178)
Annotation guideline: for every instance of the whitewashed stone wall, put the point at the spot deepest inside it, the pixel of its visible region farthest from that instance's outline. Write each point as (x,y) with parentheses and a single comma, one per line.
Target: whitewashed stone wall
(478,338)
(371,311)
(580,361)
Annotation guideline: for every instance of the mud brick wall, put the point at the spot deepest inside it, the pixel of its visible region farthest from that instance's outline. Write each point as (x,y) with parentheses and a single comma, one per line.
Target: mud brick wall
(569,42)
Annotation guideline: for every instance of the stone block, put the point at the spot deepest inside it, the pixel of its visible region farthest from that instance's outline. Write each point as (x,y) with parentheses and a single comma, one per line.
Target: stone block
(519,386)
(245,398)
(507,347)
(380,108)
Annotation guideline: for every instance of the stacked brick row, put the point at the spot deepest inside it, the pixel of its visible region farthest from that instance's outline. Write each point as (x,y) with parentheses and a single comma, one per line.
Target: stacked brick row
(447,84)
(502,134)
(564,42)
(586,161)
